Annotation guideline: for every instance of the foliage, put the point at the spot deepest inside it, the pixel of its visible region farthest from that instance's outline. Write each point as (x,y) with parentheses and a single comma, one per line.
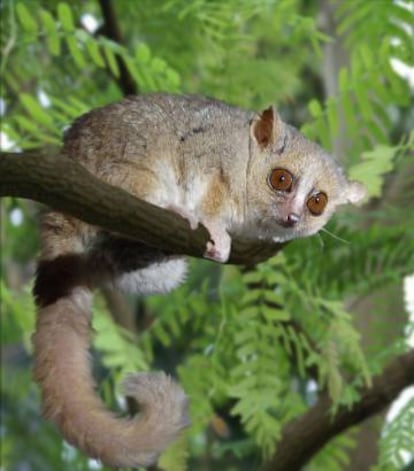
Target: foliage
(334,456)
(252,348)
(57,33)
(398,439)
(117,345)
(369,87)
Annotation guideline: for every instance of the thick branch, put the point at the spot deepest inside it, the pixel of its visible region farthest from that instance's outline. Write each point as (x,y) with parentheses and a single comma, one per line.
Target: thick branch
(306,435)
(66,186)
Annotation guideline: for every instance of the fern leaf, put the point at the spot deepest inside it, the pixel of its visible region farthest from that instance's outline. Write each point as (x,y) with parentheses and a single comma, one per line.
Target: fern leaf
(26,18)
(176,456)
(64,14)
(375,164)
(52,35)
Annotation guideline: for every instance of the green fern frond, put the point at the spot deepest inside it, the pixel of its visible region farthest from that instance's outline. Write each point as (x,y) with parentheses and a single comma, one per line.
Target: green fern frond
(364,22)
(334,456)
(397,443)
(151,73)
(216,19)
(357,265)
(366,112)
(176,456)
(372,168)
(340,346)
(185,306)
(258,380)
(369,87)
(53,39)
(198,377)
(17,314)
(117,346)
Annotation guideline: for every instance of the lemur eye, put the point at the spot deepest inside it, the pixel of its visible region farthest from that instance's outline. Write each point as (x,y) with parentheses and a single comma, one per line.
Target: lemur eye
(280,179)
(317,202)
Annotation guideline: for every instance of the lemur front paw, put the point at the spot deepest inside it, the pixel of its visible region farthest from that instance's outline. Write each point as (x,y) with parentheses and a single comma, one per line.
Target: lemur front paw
(218,247)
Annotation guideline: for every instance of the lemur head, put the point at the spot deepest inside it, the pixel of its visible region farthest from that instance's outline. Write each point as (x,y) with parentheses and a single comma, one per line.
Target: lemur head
(293,185)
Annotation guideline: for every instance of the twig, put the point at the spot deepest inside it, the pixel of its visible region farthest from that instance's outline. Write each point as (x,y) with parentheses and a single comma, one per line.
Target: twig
(112,31)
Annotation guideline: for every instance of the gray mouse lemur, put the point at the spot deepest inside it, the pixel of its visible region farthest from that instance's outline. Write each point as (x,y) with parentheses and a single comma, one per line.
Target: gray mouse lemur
(238,172)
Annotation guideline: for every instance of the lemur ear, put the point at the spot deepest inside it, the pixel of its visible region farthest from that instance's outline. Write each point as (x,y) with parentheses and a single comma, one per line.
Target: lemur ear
(268,128)
(355,192)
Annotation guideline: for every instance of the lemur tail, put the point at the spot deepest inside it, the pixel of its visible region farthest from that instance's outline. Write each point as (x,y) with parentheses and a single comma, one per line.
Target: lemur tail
(62,370)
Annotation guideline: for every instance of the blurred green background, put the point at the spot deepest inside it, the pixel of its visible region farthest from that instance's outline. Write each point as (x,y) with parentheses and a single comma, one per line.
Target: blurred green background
(253,348)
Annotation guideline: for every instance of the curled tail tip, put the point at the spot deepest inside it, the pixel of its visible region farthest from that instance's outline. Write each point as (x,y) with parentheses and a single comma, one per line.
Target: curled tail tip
(158,392)
(152,385)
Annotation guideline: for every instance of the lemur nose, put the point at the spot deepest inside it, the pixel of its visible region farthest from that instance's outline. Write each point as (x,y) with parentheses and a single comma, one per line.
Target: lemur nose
(292,219)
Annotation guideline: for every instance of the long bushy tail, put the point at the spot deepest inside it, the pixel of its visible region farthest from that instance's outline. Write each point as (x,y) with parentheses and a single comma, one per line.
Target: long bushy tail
(62,370)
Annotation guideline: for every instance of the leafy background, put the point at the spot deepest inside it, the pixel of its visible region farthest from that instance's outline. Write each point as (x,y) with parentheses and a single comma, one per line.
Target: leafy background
(253,348)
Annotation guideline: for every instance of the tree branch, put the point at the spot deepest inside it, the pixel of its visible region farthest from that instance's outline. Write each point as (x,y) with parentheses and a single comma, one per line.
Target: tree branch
(306,435)
(112,31)
(66,186)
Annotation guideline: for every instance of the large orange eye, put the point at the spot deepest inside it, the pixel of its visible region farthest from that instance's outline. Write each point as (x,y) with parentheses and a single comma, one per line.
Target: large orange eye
(316,203)
(281,180)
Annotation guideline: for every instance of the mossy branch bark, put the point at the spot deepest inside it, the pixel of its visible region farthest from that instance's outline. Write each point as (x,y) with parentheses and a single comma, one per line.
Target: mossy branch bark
(66,186)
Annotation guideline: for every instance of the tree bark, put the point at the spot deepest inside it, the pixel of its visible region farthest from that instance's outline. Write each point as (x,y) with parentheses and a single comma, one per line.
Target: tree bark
(66,186)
